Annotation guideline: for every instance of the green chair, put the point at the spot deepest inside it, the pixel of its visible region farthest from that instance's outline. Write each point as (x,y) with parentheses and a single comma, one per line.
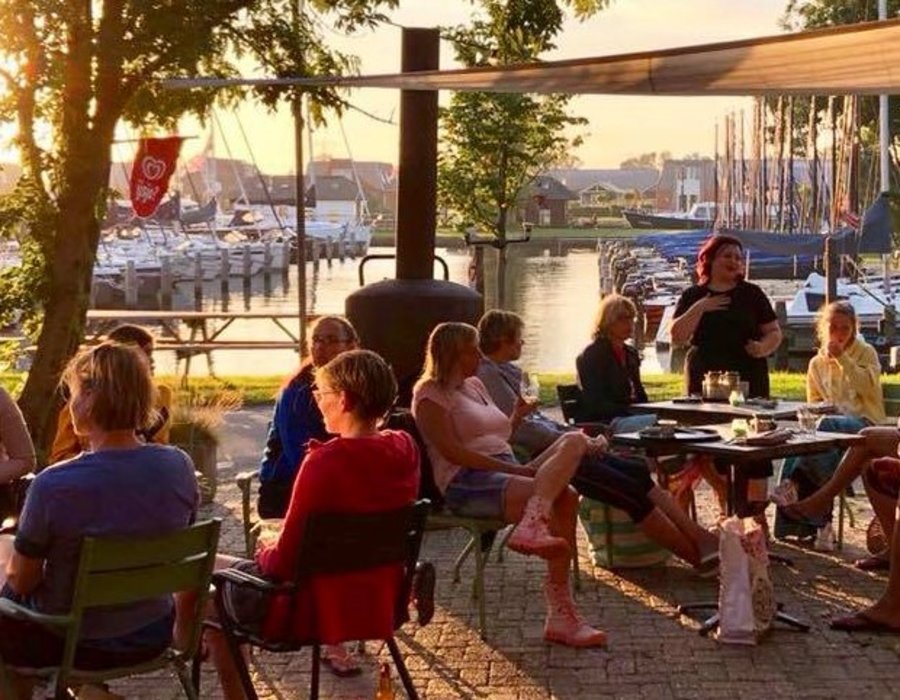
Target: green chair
(244,482)
(333,543)
(117,571)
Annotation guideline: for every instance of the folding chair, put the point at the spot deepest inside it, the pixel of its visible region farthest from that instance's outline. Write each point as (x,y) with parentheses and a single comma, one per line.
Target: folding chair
(333,543)
(117,571)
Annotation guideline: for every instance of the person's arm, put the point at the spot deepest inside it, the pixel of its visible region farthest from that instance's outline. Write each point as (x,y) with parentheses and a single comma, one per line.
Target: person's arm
(23,574)
(768,343)
(296,422)
(436,427)
(164,406)
(862,373)
(16,449)
(683,326)
(815,389)
(279,559)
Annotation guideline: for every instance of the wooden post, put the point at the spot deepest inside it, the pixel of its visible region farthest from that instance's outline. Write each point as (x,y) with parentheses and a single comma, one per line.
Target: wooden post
(329,250)
(165,280)
(782,352)
(247,261)
(316,251)
(198,276)
(267,258)
(889,325)
(225,265)
(131,285)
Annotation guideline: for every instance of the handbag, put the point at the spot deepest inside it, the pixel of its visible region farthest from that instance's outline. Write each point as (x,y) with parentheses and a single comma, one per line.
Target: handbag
(746,597)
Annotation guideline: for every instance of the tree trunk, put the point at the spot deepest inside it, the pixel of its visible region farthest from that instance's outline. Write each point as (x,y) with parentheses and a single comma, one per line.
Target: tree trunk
(71,270)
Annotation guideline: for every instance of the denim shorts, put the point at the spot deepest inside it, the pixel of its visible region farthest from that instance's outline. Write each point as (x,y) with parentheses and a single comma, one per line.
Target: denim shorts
(478,493)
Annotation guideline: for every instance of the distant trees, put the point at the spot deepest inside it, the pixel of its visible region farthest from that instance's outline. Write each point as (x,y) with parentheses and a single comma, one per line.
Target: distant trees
(493,145)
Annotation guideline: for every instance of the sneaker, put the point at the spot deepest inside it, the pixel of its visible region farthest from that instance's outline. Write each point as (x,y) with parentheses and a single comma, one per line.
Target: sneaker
(423,591)
(824,539)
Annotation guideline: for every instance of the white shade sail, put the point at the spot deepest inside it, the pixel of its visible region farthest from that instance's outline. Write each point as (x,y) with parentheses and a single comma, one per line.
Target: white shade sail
(858,59)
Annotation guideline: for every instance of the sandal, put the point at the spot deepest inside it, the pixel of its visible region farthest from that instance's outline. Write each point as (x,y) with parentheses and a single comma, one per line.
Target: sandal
(873,563)
(339,661)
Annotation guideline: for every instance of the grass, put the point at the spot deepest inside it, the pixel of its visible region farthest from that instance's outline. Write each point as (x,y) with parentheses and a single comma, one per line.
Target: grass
(261,390)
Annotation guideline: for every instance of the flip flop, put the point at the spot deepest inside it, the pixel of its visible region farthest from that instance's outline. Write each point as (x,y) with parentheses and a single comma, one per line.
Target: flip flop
(873,563)
(339,662)
(708,566)
(860,622)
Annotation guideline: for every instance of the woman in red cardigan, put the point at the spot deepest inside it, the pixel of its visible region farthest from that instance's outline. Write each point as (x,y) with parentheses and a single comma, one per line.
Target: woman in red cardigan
(362,470)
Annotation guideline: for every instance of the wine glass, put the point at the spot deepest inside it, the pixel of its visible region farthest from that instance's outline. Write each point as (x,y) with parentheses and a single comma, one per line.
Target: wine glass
(530,387)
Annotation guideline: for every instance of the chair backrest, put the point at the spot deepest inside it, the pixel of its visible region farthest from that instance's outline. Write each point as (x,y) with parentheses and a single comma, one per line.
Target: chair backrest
(338,543)
(570,402)
(122,570)
(402,419)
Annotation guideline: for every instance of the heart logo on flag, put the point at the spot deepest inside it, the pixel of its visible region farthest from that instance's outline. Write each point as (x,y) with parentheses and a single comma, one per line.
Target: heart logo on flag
(153,168)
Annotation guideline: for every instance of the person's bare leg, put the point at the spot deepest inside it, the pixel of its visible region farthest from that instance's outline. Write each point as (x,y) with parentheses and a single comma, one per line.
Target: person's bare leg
(6,550)
(557,465)
(702,539)
(663,531)
(562,524)
(880,442)
(885,508)
(887,608)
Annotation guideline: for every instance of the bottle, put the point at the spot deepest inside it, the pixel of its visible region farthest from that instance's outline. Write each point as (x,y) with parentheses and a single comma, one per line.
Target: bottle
(385,685)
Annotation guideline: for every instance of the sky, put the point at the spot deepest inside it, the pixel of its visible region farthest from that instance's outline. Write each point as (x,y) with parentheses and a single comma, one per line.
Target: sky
(619,127)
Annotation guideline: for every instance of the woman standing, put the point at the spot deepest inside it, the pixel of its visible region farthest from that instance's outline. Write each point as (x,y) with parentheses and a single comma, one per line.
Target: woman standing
(731,326)
(729,323)
(297,418)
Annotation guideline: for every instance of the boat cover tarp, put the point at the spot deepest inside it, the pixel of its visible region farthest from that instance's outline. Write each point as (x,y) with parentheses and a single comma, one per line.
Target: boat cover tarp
(876,227)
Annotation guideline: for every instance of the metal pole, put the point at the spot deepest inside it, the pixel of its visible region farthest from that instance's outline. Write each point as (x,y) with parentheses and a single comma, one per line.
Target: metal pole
(884,131)
(300,198)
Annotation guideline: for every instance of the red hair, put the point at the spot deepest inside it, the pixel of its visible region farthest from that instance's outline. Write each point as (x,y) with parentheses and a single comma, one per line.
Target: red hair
(708,252)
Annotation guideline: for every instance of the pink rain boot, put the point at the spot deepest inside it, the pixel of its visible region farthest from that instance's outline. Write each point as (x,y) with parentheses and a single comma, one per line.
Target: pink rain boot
(532,534)
(564,625)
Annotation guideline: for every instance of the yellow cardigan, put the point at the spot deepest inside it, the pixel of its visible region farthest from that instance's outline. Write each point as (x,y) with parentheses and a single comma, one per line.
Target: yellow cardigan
(67,445)
(852,382)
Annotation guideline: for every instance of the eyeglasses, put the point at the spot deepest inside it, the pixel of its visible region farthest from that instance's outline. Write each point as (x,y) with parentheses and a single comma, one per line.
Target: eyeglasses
(328,339)
(319,393)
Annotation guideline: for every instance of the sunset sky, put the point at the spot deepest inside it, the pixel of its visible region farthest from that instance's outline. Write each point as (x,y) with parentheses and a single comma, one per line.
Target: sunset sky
(619,127)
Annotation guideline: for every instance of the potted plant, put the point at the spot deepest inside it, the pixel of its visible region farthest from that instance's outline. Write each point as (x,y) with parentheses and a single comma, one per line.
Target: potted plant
(196,419)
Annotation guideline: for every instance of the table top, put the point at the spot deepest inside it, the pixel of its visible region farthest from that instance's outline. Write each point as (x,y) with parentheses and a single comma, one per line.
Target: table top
(798,444)
(138,315)
(715,411)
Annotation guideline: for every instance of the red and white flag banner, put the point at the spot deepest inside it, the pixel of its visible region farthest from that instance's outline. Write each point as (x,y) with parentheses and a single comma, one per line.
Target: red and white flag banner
(153,166)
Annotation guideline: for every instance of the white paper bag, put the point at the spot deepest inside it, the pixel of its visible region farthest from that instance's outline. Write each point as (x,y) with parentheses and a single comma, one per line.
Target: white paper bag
(746,597)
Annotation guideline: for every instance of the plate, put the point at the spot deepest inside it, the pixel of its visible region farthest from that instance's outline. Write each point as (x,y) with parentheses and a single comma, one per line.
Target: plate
(682,435)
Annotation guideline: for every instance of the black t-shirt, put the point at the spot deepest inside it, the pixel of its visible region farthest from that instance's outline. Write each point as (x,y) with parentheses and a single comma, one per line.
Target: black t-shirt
(719,339)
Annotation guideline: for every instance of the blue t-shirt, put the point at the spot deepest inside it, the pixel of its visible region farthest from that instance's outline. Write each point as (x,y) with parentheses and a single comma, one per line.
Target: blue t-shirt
(140,492)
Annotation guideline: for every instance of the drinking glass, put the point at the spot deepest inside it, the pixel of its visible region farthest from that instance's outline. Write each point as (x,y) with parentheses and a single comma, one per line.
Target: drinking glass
(530,388)
(807,420)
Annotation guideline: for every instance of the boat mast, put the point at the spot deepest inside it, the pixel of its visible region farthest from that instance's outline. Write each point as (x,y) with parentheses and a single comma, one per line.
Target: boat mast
(299,194)
(884,140)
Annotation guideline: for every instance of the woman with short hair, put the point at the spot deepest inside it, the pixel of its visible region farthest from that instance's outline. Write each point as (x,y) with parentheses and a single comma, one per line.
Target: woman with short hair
(119,487)
(360,470)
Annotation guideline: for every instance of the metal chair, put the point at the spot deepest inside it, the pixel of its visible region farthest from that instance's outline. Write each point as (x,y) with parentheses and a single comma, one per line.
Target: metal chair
(333,543)
(117,571)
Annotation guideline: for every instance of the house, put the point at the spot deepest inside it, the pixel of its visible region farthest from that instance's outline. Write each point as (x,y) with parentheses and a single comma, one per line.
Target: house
(378,180)
(619,187)
(544,201)
(683,183)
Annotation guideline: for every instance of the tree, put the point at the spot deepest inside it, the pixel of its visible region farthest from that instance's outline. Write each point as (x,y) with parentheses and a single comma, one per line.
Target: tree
(494,145)
(72,69)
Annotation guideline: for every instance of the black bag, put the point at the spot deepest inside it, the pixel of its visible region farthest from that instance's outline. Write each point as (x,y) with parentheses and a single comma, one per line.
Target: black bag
(12,497)
(402,419)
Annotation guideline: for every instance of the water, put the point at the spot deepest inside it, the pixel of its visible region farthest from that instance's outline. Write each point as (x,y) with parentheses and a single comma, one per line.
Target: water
(556,296)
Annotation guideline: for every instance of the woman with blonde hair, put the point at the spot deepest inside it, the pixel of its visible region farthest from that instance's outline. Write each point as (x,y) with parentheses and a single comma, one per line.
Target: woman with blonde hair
(466,436)
(609,369)
(120,486)
(16,454)
(846,373)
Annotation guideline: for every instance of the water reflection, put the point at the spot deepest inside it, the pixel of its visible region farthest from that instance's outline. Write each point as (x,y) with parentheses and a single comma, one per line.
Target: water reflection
(557,297)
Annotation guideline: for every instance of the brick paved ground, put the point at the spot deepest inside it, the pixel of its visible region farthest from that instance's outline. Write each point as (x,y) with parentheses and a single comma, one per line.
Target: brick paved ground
(653,652)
